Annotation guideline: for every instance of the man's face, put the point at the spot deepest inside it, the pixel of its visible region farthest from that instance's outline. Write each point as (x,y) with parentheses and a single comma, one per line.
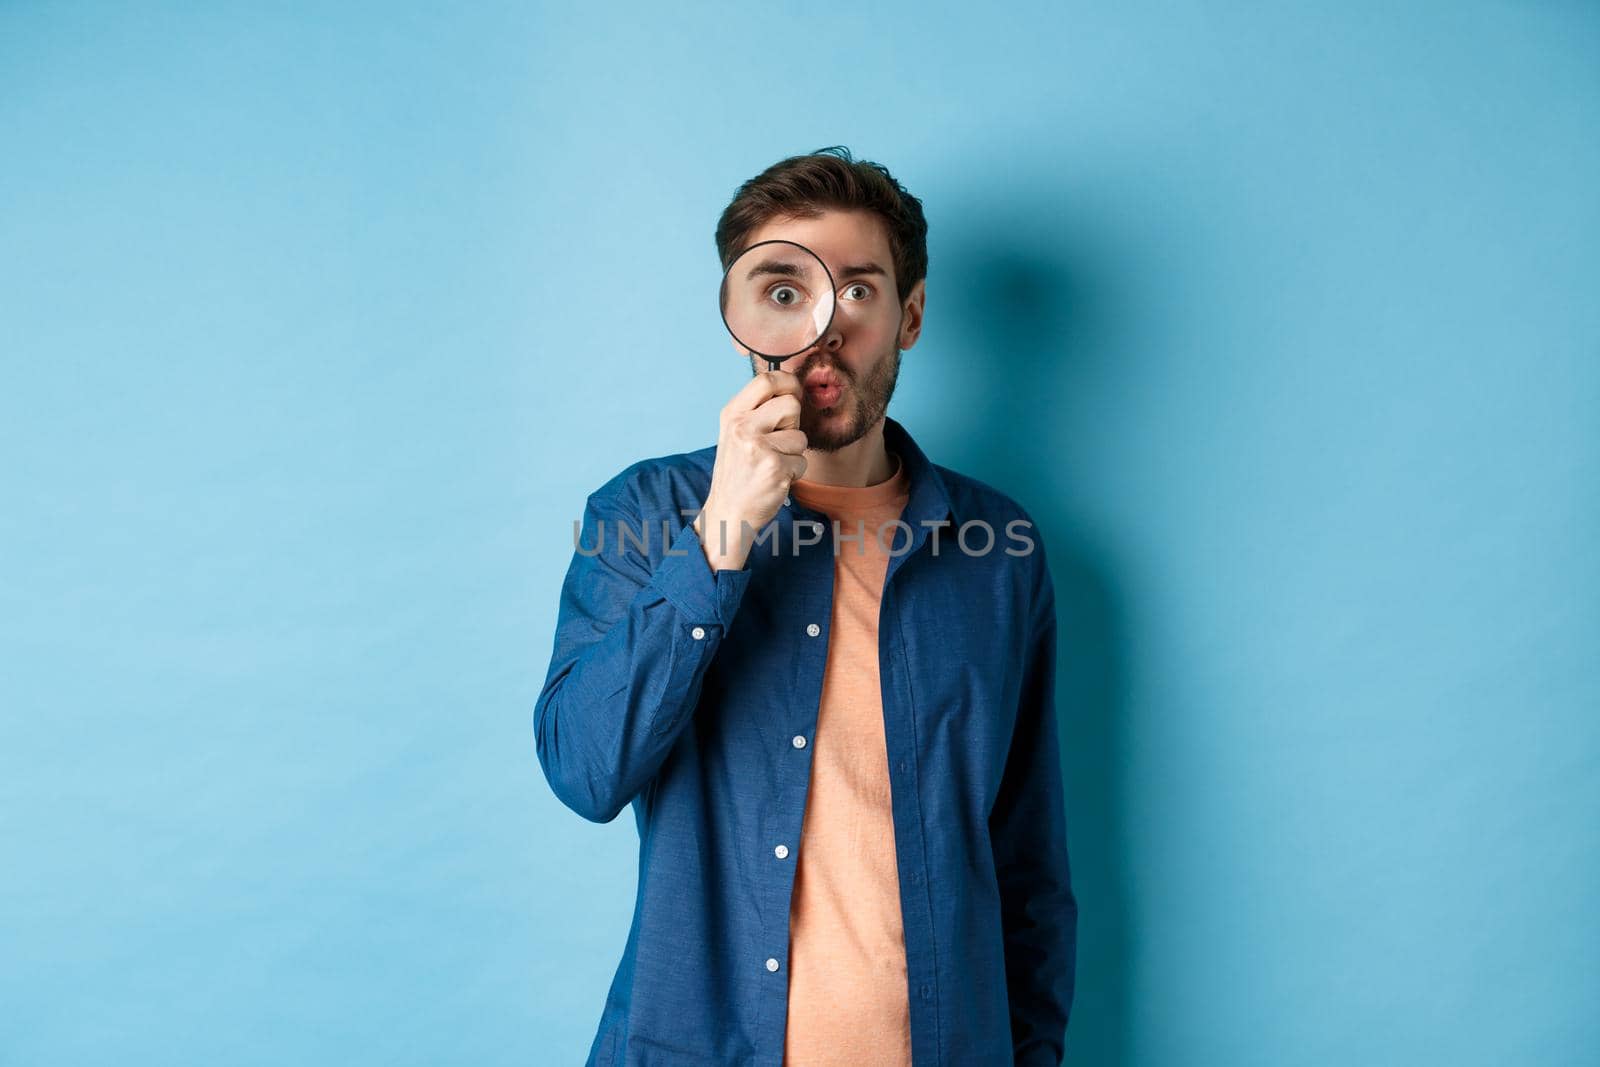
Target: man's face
(849,374)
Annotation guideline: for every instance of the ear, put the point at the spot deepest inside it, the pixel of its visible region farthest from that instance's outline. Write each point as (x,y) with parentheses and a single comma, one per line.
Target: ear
(911,315)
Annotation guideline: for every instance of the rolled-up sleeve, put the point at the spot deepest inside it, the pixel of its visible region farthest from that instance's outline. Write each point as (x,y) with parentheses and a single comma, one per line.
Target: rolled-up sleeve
(632,643)
(1027,828)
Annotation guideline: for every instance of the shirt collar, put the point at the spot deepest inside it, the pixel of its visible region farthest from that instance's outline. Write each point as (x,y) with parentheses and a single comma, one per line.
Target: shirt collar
(930,497)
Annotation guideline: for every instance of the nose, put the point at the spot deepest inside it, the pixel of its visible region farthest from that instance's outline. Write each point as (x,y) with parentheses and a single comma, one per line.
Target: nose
(832,341)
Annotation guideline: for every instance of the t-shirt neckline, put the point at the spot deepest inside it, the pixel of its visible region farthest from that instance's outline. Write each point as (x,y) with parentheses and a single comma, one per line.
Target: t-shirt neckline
(852,498)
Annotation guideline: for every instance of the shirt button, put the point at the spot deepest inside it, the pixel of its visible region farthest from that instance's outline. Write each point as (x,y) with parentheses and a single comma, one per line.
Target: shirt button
(799,741)
(926,992)
(772,965)
(698,632)
(902,766)
(813,629)
(785,501)
(781,851)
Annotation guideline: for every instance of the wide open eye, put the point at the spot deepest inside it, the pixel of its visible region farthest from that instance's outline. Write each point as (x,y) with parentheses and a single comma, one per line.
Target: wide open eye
(858,291)
(785,295)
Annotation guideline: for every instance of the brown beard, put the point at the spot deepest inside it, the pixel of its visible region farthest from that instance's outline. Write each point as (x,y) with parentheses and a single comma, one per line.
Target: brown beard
(872,396)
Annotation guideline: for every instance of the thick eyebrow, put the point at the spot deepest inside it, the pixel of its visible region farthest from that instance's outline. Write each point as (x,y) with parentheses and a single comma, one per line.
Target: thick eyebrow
(858,271)
(790,270)
(773,266)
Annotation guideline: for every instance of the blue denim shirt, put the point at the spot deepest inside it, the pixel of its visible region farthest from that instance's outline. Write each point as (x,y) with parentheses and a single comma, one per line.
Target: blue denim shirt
(693,696)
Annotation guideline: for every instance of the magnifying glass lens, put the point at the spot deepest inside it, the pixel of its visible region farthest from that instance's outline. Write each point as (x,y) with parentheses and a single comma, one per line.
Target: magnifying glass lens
(777,299)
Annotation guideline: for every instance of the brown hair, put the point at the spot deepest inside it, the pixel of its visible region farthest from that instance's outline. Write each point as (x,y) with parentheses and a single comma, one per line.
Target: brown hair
(804,186)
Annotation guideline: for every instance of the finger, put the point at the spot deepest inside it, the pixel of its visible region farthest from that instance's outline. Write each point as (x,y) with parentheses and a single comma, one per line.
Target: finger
(789,442)
(781,412)
(763,387)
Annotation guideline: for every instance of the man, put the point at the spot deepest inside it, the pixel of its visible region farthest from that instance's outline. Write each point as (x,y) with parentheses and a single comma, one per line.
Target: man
(840,751)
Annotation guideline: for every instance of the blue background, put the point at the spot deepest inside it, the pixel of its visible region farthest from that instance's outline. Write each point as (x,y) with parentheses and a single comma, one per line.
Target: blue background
(318,327)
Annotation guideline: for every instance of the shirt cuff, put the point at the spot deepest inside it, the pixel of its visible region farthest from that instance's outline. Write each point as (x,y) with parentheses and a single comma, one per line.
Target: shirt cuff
(685,578)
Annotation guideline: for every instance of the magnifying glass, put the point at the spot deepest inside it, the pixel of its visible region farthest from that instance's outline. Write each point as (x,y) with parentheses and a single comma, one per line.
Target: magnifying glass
(777,299)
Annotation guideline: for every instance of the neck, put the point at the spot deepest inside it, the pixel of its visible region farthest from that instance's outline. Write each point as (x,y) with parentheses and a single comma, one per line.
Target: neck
(860,463)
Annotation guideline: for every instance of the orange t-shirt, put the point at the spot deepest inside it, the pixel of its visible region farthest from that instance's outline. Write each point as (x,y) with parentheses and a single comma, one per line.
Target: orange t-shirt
(848,1002)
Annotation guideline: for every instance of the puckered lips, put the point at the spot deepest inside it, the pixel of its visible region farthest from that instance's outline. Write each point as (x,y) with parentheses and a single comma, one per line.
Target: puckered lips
(824,388)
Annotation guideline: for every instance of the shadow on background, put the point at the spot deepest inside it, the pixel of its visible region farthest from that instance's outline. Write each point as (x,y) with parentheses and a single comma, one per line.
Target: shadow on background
(1028,323)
